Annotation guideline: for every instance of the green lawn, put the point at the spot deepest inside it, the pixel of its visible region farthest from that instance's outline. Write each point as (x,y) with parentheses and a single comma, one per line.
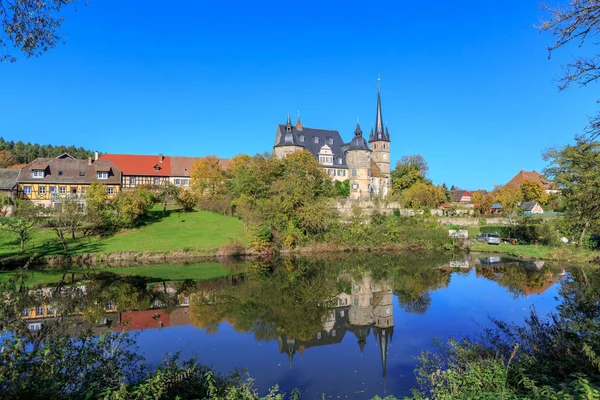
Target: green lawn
(558,253)
(199,230)
(154,273)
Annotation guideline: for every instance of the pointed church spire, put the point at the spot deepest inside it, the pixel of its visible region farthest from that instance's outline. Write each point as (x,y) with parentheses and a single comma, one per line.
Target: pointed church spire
(288,124)
(380,131)
(358,131)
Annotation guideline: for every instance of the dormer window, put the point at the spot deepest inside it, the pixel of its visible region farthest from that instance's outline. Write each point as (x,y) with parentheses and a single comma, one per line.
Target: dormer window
(37,173)
(81,173)
(339,160)
(329,140)
(59,173)
(156,168)
(301,138)
(102,175)
(316,139)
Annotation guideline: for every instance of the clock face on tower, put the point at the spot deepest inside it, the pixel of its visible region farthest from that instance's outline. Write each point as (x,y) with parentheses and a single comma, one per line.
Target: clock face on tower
(385,156)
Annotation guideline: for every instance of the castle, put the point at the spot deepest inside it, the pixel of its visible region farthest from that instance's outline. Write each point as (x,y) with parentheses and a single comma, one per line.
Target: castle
(365,165)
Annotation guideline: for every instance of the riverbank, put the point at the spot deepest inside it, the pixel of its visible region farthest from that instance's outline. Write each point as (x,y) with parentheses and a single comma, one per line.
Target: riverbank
(569,253)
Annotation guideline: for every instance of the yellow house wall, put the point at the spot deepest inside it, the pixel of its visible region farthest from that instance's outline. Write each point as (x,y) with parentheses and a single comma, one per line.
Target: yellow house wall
(36,196)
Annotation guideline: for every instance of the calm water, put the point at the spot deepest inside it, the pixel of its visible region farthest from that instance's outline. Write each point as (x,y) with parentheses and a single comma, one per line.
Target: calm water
(349,326)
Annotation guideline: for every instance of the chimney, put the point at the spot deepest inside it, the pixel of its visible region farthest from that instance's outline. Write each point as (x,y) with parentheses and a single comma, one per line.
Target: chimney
(96,156)
(161,158)
(89,160)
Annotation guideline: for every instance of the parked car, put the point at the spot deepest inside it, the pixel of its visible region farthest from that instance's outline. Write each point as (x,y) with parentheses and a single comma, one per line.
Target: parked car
(489,238)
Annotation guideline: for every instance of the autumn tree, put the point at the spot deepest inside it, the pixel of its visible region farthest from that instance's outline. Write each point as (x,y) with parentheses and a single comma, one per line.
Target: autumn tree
(509,197)
(208,178)
(30,26)
(6,159)
(423,195)
(133,205)
(573,25)
(168,194)
(533,191)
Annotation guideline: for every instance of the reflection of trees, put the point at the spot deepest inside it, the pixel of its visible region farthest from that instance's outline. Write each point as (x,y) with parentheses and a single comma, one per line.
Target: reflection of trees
(412,287)
(520,279)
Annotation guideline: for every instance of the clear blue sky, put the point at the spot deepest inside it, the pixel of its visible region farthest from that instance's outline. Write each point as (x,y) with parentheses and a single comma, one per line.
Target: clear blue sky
(466,84)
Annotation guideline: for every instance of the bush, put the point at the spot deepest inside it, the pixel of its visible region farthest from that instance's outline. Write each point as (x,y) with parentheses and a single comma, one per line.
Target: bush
(187,200)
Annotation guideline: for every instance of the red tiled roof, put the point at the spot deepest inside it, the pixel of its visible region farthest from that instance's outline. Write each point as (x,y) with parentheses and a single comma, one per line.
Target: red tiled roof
(133,164)
(147,319)
(529,176)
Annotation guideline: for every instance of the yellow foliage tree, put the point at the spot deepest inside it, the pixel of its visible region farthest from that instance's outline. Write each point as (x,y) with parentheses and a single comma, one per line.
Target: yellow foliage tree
(508,197)
(533,191)
(423,195)
(208,178)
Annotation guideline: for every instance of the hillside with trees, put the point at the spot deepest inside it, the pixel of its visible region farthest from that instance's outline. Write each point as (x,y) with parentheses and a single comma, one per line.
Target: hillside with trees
(14,153)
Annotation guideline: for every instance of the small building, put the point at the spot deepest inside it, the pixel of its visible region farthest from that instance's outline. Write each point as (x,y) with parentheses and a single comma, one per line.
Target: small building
(496,208)
(8,181)
(532,207)
(48,181)
(460,196)
(534,176)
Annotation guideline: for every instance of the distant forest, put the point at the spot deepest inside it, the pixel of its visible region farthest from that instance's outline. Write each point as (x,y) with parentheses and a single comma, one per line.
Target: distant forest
(14,153)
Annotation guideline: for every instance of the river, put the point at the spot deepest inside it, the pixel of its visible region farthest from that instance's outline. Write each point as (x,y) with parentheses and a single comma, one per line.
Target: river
(346,326)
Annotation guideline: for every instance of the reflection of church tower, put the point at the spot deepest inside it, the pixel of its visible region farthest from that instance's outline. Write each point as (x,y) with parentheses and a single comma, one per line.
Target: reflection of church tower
(361,333)
(383,337)
(383,316)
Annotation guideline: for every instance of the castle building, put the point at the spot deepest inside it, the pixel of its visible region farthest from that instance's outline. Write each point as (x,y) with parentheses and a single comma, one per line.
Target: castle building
(365,165)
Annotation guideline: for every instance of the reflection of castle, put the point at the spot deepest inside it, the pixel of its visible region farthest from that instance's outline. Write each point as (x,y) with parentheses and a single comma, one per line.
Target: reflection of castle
(368,306)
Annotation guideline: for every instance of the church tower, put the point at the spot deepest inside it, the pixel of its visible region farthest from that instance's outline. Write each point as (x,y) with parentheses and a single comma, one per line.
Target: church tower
(380,139)
(358,157)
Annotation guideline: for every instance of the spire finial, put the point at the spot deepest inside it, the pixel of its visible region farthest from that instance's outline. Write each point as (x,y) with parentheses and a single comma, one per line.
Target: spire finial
(378,81)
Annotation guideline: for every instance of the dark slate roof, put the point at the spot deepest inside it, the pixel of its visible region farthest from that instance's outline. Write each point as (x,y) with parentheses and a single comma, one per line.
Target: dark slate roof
(358,142)
(8,178)
(306,138)
(528,205)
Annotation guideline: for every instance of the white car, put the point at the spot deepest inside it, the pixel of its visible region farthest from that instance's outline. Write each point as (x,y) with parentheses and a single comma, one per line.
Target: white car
(489,238)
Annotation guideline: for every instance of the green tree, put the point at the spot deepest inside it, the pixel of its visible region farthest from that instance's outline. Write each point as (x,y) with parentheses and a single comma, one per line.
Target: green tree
(576,170)
(67,218)
(168,194)
(187,200)
(133,205)
(23,221)
(343,188)
(409,171)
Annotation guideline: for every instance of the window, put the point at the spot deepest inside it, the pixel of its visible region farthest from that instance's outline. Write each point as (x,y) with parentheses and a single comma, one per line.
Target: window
(25,312)
(333,332)
(339,160)
(178,182)
(156,181)
(354,172)
(355,186)
(342,313)
(156,168)
(316,139)
(81,173)
(102,175)
(52,189)
(39,310)
(110,190)
(185,182)
(186,301)
(301,138)
(62,190)
(356,301)
(109,306)
(37,173)
(330,140)
(50,310)
(59,173)
(318,335)
(42,190)
(34,327)
(132,180)
(83,190)
(27,190)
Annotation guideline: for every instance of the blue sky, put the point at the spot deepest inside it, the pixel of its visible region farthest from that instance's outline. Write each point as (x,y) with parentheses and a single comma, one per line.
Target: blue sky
(466,84)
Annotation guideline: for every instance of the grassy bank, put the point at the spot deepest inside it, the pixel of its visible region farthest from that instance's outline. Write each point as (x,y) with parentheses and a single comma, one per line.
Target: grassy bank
(177,230)
(150,272)
(556,253)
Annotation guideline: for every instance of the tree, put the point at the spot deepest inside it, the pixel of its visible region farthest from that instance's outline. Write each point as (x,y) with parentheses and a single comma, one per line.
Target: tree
(133,205)
(96,205)
(30,26)
(208,178)
(533,191)
(576,170)
(67,218)
(423,195)
(509,197)
(6,159)
(187,200)
(575,23)
(168,194)
(23,221)
(417,162)
(343,188)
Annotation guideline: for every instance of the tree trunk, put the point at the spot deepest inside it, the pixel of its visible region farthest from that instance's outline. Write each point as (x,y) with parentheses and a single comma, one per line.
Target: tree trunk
(22,242)
(587,224)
